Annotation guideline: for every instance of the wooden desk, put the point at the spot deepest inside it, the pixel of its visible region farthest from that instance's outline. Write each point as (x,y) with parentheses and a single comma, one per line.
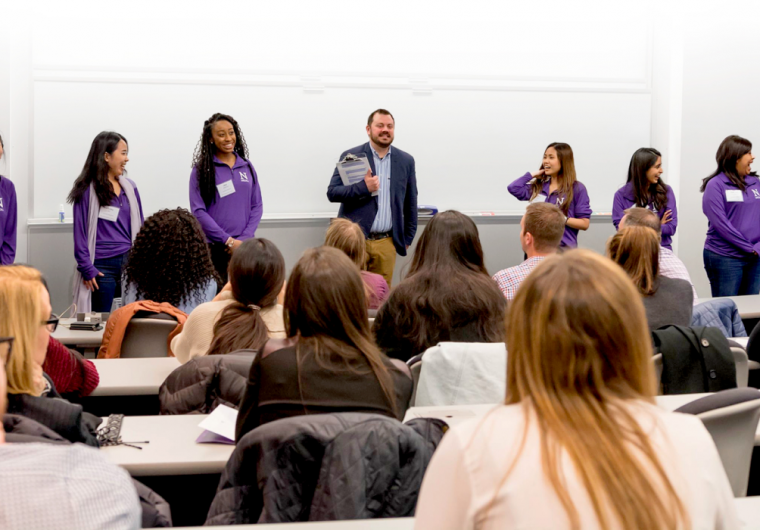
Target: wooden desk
(132,377)
(172,449)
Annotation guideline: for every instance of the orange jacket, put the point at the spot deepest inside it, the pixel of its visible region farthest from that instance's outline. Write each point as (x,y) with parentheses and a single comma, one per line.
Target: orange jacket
(117,324)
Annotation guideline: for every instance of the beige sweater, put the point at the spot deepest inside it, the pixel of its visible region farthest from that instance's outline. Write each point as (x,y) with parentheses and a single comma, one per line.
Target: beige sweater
(198,331)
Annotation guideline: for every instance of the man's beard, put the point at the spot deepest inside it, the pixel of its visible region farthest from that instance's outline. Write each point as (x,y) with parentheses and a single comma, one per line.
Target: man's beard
(384,141)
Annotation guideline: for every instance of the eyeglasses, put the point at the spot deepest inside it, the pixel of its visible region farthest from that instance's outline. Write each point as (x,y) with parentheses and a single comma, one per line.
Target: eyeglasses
(52,323)
(6,346)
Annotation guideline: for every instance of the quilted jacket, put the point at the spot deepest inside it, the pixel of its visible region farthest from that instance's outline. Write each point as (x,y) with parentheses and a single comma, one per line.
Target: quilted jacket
(203,383)
(720,313)
(326,467)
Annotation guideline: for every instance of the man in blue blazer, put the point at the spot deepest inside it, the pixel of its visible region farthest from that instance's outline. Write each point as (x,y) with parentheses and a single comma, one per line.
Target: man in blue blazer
(389,219)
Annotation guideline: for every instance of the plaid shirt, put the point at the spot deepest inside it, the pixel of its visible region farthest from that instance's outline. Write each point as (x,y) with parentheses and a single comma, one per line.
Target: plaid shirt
(672,267)
(510,279)
(64,487)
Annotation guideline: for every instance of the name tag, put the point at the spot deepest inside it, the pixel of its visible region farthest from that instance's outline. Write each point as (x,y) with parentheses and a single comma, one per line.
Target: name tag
(734,196)
(109,213)
(226,188)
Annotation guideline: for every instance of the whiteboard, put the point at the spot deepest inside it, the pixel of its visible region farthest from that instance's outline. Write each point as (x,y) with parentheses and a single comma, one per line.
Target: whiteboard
(477,95)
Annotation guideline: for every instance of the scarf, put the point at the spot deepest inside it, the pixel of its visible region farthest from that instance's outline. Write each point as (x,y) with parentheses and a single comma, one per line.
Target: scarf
(82,295)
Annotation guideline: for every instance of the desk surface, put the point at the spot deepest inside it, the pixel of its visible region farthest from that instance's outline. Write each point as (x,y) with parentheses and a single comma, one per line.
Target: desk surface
(457,414)
(172,449)
(133,377)
(68,337)
(748,305)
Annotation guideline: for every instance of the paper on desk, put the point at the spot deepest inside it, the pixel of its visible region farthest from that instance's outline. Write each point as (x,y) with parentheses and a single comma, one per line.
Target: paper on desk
(220,423)
(353,171)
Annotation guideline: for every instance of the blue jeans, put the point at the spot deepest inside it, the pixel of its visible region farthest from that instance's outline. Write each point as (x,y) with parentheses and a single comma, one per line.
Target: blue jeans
(109,285)
(732,276)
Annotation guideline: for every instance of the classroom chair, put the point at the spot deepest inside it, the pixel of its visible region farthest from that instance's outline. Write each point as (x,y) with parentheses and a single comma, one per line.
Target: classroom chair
(462,373)
(731,418)
(326,467)
(147,336)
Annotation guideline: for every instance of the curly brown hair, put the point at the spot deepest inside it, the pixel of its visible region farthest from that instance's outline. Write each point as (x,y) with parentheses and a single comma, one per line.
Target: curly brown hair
(170,259)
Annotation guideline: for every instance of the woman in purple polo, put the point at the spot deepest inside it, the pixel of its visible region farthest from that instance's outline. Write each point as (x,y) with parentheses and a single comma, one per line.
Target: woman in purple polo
(646,189)
(107,216)
(556,182)
(225,195)
(731,202)
(8,217)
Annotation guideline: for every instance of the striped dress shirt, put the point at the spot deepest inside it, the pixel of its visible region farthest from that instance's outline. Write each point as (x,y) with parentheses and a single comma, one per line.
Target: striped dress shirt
(383,221)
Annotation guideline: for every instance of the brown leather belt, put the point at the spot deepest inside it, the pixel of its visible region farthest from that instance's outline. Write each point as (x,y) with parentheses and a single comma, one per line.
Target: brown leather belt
(380,235)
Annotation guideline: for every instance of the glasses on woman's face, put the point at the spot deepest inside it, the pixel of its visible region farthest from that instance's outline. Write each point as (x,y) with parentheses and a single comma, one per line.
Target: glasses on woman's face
(6,346)
(52,323)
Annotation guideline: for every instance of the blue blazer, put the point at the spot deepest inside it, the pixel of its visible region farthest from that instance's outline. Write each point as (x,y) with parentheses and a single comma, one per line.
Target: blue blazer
(358,204)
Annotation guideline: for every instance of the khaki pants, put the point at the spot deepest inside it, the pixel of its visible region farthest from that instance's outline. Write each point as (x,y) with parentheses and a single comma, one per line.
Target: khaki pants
(381,257)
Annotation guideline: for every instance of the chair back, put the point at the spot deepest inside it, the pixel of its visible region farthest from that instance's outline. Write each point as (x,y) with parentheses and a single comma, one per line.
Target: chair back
(462,373)
(657,360)
(415,368)
(742,366)
(147,336)
(731,418)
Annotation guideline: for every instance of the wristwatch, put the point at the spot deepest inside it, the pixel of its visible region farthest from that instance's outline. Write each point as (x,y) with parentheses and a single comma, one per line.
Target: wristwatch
(230,242)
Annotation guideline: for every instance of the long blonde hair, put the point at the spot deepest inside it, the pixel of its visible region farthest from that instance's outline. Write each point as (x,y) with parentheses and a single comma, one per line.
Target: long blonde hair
(22,314)
(347,236)
(579,347)
(637,250)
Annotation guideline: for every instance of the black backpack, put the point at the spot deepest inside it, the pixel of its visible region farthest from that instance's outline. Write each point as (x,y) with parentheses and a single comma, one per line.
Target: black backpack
(694,359)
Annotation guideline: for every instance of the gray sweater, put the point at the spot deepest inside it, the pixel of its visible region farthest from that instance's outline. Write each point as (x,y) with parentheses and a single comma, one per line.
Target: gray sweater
(670,305)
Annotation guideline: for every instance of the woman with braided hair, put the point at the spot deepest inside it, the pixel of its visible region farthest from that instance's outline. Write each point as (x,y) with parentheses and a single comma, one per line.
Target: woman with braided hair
(170,262)
(225,195)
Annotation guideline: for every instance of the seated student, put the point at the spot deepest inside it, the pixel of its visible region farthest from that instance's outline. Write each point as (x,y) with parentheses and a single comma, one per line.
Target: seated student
(579,442)
(170,262)
(70,372)
(245,313)
(329,363)
(347,236)
(541,230)
(25,315)
(48,485)
(448,295)
(667,301)
(670,265)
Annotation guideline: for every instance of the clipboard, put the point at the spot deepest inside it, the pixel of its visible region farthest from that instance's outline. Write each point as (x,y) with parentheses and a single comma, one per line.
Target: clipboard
(352,169)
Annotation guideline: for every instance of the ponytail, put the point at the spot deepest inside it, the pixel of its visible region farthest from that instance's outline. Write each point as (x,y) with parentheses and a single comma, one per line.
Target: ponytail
(239,327)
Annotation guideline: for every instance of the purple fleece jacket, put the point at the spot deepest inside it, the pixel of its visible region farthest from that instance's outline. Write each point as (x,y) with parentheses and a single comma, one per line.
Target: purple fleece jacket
(624,199)
(236,215)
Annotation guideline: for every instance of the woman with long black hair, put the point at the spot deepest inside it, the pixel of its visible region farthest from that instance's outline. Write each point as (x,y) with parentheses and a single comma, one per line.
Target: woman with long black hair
(646,189)
(225,195)
(556,183)
(107,216)
(731,202)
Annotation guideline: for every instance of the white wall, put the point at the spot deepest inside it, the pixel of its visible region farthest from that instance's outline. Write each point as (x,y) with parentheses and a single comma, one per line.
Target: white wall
(478,91)
(721,76)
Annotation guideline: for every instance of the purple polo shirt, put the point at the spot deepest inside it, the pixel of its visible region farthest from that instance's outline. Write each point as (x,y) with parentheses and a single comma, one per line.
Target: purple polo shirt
(236,215)
(8,220)
(113,238)
(625,198)
(579,207)
(733,228)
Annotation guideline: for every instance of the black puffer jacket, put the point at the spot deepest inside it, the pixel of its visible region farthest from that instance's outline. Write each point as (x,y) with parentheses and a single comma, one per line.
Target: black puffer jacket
(203,383)
(326,467)
(156,512)
(51,410)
